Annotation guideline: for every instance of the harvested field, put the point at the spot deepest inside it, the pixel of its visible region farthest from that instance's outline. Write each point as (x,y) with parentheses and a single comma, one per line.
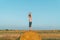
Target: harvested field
(15,34)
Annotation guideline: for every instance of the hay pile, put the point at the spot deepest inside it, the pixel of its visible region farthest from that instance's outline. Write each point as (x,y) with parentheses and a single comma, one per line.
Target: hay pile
(30,35)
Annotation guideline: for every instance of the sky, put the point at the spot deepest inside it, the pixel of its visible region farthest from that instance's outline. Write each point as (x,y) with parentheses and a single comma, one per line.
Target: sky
(45,14)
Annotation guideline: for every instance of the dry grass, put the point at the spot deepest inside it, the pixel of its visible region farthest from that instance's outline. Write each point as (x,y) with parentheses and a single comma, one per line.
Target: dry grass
(15,34)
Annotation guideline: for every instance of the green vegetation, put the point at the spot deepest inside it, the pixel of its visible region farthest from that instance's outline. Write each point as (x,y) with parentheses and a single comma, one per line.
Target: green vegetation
(51,39)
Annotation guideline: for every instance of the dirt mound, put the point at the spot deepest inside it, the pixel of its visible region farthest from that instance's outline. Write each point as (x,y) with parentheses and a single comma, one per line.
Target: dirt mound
(30,35)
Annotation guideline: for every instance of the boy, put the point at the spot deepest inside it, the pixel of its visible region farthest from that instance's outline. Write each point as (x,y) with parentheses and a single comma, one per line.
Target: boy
(30,21)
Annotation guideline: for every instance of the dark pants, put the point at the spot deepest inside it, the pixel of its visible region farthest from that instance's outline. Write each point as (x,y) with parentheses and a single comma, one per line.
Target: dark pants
(30,24)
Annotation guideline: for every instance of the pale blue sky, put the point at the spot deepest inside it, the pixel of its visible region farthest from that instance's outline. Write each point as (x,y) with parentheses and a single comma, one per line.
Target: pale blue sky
(14,14)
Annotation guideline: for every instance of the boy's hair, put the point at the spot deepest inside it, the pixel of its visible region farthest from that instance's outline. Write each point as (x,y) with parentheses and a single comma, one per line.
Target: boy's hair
(29,15)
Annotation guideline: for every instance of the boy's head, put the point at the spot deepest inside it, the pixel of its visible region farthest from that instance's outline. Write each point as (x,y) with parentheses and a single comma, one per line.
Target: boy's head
(30,14)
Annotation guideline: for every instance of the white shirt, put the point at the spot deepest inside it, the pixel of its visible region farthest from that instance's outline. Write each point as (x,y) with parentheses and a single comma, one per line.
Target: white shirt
(30,19)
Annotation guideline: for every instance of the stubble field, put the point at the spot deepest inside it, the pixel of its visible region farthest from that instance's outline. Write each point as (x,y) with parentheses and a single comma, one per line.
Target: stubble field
(15,34)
